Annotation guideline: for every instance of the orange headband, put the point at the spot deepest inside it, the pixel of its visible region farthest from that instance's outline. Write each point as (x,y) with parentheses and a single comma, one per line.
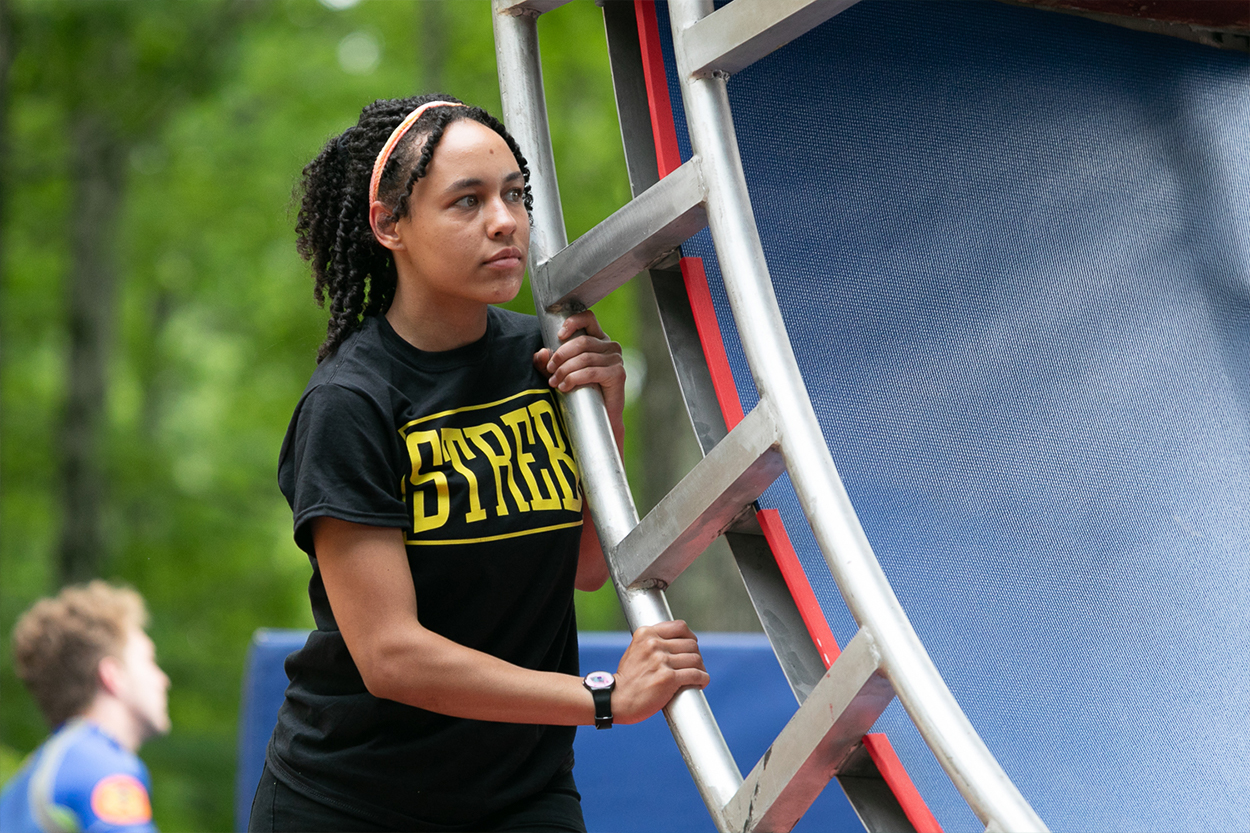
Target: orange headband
(384,154)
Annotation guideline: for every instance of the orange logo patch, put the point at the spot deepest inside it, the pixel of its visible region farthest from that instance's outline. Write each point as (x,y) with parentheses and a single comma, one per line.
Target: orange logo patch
(121,800)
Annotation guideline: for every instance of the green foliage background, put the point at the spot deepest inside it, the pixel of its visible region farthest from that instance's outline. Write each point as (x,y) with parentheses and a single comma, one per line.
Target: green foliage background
(217,328)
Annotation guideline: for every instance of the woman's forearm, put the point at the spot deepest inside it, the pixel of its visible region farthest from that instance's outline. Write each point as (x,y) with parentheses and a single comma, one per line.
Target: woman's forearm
(420,668)
(367,580)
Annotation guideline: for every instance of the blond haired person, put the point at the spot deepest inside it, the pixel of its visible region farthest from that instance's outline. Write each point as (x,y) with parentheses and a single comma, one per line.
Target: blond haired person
(91,668)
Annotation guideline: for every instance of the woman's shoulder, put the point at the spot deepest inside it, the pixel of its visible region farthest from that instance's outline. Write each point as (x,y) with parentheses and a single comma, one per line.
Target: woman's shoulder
(360,353)
(354,374)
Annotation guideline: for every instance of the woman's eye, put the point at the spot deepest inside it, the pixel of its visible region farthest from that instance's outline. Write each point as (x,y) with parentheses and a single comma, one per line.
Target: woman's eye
(516,194)
(467,201)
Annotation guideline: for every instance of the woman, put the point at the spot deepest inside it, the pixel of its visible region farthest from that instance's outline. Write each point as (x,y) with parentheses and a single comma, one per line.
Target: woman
(434,490)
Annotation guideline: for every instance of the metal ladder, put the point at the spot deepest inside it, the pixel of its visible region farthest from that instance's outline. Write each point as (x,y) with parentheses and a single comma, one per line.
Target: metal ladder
(885,659)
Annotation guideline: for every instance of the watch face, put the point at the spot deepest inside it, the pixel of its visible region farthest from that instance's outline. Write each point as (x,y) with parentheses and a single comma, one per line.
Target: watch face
(600,679)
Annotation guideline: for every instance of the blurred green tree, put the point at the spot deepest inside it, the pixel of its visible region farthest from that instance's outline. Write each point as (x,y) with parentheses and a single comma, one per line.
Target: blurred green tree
(148,152)
(112,74)
(151,153)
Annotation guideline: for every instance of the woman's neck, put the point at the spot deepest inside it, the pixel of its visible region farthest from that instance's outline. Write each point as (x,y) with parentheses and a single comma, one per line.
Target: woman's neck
(433,327)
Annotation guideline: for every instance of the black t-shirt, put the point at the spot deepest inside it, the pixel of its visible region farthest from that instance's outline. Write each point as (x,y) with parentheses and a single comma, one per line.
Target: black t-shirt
(464,451)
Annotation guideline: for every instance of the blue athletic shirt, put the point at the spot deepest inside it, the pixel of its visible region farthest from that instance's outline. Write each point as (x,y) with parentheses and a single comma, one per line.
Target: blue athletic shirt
(80,779)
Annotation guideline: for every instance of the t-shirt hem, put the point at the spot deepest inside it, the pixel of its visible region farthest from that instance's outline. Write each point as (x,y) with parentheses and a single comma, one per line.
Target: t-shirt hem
(347,804)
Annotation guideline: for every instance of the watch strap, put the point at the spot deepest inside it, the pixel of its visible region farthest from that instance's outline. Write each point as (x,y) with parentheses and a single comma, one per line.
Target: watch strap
(603,707)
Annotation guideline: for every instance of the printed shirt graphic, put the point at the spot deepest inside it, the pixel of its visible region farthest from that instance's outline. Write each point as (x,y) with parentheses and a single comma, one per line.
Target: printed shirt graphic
(464,453)
(490,472)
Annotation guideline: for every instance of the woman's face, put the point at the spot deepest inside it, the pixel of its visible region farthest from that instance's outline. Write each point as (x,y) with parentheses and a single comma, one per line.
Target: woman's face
(467,232)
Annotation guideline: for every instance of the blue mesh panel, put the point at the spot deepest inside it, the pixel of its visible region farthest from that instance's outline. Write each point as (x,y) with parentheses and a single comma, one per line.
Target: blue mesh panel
(1012,249)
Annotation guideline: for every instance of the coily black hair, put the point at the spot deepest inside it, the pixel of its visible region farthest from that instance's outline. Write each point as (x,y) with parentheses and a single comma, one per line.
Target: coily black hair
(350,267)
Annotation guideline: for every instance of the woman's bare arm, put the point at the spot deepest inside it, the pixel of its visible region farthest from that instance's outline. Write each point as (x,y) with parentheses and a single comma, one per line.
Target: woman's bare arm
(592,567)
(369,585)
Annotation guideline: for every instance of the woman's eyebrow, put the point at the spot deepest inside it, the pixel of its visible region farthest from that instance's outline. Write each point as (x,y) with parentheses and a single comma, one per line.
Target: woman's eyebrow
(474,182)
(461,184)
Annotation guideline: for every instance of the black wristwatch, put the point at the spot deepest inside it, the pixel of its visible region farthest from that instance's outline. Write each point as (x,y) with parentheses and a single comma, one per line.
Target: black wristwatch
(600,685)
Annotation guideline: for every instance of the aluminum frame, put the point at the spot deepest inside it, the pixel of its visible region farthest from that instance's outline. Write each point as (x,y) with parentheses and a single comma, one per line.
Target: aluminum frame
(706,502)
(739,34)
(816,743)
(797,654)
(864,587)
(645,230)
(886,657)
(798,657)
(712,766)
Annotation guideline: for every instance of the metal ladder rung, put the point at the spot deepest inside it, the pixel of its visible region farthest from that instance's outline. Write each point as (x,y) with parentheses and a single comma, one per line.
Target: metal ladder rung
(824,737)
(739,34)
(778,613)
(531,7)
(642,231)
(817,744)
(682,525)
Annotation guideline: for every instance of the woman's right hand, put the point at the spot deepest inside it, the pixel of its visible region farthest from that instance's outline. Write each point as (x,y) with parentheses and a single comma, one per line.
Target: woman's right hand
(660,660)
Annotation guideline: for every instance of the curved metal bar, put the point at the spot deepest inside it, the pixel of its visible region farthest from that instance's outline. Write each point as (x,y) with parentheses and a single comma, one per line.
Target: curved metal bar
(905,662)
(525,112)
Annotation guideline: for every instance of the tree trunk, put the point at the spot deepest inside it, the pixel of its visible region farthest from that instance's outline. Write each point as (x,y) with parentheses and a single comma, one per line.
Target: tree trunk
(98,177)
(6,58)
(431,47)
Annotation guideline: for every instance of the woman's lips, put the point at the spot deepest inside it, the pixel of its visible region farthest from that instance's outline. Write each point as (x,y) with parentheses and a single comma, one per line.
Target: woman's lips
(505,259)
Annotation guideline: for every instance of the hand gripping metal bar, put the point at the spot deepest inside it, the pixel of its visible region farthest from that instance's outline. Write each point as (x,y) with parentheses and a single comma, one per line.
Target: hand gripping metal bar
(778,613)
(520,84)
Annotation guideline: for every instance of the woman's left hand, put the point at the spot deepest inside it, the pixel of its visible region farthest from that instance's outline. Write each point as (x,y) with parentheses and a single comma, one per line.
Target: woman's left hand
(590,358)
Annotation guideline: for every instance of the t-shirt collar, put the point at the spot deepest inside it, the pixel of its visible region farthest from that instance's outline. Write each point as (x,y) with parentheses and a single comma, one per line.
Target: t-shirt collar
(469,354)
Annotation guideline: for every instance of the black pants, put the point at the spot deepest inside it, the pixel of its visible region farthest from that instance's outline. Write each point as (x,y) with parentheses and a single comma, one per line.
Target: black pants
(278,808)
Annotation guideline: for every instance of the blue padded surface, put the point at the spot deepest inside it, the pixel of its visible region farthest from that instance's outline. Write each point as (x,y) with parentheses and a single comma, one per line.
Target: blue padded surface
(632,778)
(264,688)
(1011,248)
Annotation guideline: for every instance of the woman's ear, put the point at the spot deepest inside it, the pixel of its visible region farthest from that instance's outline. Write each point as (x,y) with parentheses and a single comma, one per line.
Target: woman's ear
(382,221)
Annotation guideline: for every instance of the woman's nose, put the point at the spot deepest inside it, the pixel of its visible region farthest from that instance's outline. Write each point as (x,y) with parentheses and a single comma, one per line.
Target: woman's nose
(500,219)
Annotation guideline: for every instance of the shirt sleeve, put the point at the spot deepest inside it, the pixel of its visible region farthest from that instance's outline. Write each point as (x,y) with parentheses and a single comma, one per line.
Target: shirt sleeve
(100,788)
(342,459)
(119,803)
